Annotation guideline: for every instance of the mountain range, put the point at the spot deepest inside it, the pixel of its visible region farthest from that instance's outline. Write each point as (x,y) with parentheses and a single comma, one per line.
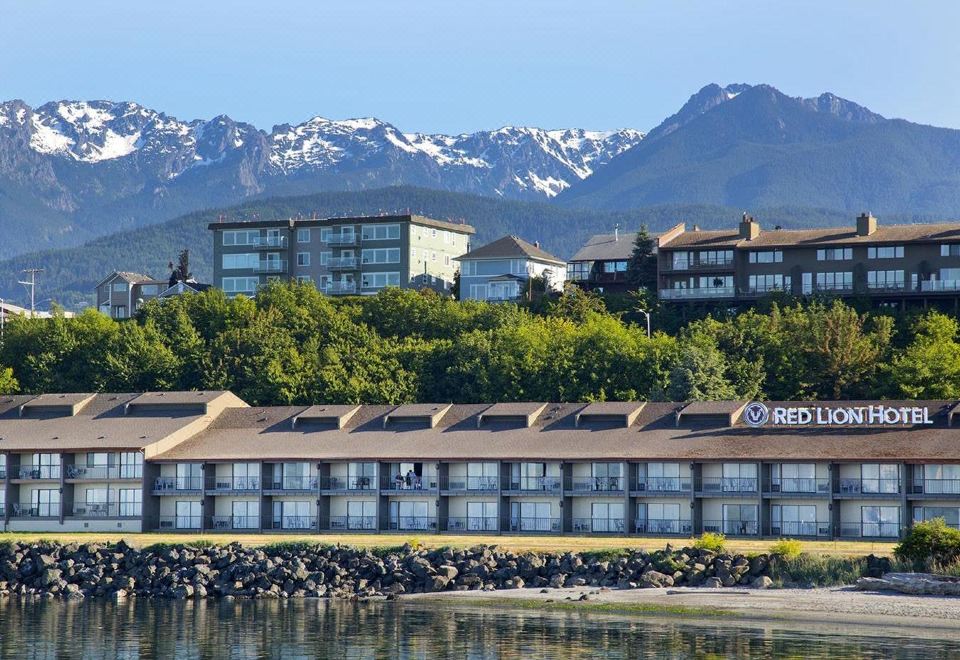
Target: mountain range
(74,170)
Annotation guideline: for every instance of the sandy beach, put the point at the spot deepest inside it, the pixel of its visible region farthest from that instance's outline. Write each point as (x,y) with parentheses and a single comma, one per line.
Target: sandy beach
(830,606)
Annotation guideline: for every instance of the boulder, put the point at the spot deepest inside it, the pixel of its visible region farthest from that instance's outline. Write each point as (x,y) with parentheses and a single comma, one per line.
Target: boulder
(762,582)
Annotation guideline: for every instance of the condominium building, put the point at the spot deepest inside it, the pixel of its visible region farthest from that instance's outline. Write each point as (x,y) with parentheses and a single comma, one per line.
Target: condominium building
(342,256)
(893,264)
(120,294)
(503,269)
(204,461)
(601,264)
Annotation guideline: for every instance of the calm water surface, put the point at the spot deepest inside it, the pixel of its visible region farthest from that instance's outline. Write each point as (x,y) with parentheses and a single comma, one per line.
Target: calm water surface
(317,629)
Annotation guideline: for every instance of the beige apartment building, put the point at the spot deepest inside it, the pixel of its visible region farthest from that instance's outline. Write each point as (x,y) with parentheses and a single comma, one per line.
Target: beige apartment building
(342,256)
(206,462)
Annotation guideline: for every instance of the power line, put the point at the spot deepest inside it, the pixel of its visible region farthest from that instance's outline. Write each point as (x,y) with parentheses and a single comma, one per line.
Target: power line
(32,283)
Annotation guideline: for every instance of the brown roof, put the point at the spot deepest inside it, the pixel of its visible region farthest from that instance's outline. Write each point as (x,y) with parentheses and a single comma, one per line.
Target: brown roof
(770,238)
(510,247)
(70,403)
(627,411)
(336,414)
(266,434)
(185,399)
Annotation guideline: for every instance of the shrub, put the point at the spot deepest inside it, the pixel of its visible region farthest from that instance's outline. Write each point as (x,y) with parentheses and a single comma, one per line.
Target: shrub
(817,571)
(787,548)
(931,542)
(712,541)
(608,554)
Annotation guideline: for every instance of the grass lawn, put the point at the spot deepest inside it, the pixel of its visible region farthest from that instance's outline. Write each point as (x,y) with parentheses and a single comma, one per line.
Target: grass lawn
(516,543)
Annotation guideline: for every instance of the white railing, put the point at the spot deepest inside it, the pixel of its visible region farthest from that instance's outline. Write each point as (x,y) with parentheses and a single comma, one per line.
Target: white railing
(706,292)
(940,285)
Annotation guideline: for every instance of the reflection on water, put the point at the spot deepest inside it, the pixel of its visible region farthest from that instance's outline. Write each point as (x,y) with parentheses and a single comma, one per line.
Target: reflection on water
(320,629)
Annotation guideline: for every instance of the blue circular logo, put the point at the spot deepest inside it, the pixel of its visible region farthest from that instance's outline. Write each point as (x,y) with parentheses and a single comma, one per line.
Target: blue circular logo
(755,414)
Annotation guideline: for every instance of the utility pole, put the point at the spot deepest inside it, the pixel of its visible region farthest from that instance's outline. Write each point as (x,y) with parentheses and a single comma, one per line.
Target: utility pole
(32,283)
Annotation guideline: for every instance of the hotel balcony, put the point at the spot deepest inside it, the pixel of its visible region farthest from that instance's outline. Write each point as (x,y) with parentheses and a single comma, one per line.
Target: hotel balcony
(177,485)
(940,286)
(534,525)
(797,486)
(732,527)
(35,510)
(663,526)
(350,523)
(869,487)
(417,484)
(232,523)
(535,485)
(878,530)
(343,240)
(270,243)
(654,486)
(708,293)
(340,288)
(599,526)
(271,266)
(343,263)
(293,524)
(792,528)
(103,473)
(414,524)
(947,488)
(37,473)
(468,524)
(233,485)
(593,485)
(106,510)
(470,484)
(292,485)
(186,523)
(726,485)
(348,484)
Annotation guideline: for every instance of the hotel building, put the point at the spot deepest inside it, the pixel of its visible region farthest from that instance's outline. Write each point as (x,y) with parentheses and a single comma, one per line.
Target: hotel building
(205,461)
(342,256)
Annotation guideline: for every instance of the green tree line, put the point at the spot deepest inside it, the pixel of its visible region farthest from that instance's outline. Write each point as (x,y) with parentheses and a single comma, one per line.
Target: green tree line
(293,345)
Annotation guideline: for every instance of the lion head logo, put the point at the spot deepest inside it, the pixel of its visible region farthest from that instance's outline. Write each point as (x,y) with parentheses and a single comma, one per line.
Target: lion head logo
(755,414)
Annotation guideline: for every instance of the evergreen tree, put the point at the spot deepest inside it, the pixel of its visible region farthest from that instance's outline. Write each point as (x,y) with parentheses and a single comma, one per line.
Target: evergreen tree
(642,267)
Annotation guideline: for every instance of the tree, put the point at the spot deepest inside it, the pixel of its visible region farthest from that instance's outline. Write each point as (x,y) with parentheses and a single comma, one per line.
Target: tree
(700,373)
(929,368)
(8,384)
(180,272)
(642,266)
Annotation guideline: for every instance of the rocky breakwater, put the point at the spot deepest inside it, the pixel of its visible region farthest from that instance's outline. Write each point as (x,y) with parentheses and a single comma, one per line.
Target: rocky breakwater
(78,571)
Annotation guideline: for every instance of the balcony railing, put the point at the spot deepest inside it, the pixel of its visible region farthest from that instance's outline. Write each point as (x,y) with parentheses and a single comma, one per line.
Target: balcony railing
(104,472)
(727,485)
(936,487)
(294,483)
(270,242)
(870,530)
(834,288)
(886,486)
(352,522)
(51,510)
(705,292)
(694,264)
(547,484)
(107,510)
(39,472)
(227,523)
(799,528)
(303,523)
(179,522)
(167,484)
(233,484)
(486,484)
(599,525)
(3,473)
(732,527)
(940,285)
(887,286)
(763,289)
(343,263)
(340,288)
(415,482)
(348,483)
(798,485)
(341,239)
(664,484)
(271,266)
(472,524)
(663,526)
(534,524)
(413,523)
(596,484)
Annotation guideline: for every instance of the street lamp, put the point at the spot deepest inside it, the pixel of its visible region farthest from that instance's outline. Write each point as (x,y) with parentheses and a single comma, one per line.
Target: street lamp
(647,314)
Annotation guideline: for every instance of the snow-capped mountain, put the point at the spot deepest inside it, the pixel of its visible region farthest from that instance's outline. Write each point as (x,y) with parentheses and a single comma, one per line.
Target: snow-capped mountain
(110,165)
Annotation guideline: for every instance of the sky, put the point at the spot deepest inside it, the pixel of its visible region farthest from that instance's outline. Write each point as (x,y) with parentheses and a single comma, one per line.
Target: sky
(464,65)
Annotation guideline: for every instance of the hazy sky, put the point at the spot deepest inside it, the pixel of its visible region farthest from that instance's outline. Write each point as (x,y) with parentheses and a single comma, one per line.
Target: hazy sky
(464,65)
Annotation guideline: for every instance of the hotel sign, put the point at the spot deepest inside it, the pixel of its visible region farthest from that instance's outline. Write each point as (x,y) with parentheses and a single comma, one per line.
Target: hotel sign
(757,414)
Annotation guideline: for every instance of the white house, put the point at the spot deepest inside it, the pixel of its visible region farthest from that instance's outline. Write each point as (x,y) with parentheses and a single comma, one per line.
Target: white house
(501,270)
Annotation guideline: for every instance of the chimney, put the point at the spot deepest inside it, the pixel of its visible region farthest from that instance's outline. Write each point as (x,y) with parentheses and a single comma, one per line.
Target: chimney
(536,244)
(696,228)
(749,228)
(616,232)
(866,224)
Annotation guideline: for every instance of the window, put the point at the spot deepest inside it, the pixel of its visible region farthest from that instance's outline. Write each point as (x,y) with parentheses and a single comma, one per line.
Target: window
(842,281)
(606,476)
(468,268)
(606,517)
(187,515)
(766,256)
(120,287)
(716,282)
(245,514)
(361,515)
(771,282)
(579,271)
(660,518)
(794,477)
(880,521)
(835,254)
(97,501)
(293,515)
(886,252)
(482,476)
(296,476)
(245,476)
(739,477)
(478,292)
(189,476)
(361,476)
(380,280)
(482,516)
(794,519)
(886,279)
(950,514)
(681,260)
(532,517)
(413,254)
(46,466)
(715,257)
(446,260)
(381,256)
(244,260)
(131,465)
(663,476)
(303,258)
(303,236)
(149,289)
(380,232)
(950,250)
(240,284)
(880,478)
(131,502)
(614,266)
(325,257)
(410,516)
(738,519)
(936,479)
(241,237)
(433,256)
(45,503)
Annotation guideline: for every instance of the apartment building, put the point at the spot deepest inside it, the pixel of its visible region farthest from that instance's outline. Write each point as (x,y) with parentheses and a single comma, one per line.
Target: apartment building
(207,462)
(601,264)
(893,264)
(342,256)
(502,270)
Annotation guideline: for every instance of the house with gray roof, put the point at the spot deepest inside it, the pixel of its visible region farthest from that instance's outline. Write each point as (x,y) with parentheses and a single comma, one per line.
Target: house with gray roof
(500,270)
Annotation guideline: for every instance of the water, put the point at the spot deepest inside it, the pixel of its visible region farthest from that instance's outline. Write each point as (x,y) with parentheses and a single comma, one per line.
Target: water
(318,629)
